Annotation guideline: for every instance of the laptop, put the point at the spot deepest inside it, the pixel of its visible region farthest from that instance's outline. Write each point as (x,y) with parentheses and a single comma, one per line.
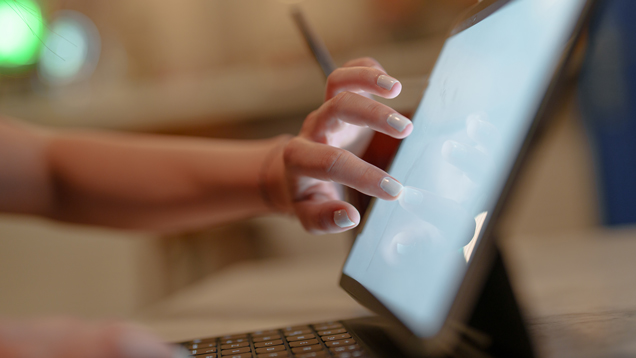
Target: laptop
(427,264)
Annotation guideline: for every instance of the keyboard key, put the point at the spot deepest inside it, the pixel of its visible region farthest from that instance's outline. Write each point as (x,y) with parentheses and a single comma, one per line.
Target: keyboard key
(229,352)
(297,332)
(302,337)
(203,340)
(344,342)
(200,345)
(268,343)
(270,349)
(307,349)
(266,338)
(311,354)
(275,354)
(308,342)
(243,355)
(265,333)
(332,332)
(336,337)
(234,336)
(295,328)
(195,352)
(322,327)
(326,323)
(351,354)
(235,340)
(235,345)
(354,347)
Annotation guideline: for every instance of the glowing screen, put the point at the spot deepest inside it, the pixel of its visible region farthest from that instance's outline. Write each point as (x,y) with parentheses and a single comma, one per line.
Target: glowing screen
(482,97)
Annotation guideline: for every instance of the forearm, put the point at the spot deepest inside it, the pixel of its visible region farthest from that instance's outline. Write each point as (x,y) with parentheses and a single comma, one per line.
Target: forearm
(154,183)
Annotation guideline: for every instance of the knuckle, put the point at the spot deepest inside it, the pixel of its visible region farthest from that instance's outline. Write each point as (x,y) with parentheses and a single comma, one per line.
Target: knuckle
(377,112)
(341,100)
(333,160)
(370,75)
(369,172)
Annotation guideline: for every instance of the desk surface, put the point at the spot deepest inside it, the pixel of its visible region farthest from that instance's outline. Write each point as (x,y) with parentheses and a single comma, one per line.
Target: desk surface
(578,291)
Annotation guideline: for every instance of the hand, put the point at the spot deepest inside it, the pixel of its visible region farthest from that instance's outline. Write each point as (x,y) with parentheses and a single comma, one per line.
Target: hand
(316,160)
(70,338)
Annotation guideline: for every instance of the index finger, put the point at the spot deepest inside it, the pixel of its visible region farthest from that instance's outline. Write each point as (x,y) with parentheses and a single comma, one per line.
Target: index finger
(324,162)
(362,79)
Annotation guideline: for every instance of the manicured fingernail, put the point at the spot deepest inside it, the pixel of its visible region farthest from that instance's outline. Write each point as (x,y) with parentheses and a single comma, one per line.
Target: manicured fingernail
(341,219)
(391,186)
(398,121)
(138,344)
(386,82)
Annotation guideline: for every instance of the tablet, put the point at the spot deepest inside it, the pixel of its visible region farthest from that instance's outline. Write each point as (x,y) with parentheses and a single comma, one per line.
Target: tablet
(422,259)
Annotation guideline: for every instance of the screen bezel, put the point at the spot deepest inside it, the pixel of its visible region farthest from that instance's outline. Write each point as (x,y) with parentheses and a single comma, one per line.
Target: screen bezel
(483,255)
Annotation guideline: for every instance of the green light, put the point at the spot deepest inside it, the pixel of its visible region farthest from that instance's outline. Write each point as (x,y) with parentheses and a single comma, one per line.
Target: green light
(21,32)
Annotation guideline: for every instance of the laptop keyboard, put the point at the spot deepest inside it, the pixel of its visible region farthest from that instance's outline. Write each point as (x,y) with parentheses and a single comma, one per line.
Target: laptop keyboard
(328,339)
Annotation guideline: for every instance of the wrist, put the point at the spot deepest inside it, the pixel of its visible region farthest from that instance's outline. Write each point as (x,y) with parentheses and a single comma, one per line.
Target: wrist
(272,178)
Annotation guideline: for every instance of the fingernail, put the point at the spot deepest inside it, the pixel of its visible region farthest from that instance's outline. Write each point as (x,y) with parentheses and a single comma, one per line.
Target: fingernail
(391,186)
(137,344)
(398,121)
(386,82)
(341,219)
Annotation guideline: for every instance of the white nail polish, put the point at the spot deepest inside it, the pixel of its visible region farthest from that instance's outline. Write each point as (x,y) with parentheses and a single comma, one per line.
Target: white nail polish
(398,121)
(341,219)
(391,186)
(386,82)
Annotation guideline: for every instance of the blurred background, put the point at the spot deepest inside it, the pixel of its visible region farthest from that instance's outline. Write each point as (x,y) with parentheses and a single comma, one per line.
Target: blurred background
(223,69)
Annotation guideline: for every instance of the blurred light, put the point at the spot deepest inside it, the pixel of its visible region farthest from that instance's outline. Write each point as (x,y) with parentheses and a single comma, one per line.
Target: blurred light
(72,49)
(21,32)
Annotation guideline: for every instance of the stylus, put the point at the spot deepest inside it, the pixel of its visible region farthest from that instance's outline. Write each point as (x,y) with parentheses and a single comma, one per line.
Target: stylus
(316,45)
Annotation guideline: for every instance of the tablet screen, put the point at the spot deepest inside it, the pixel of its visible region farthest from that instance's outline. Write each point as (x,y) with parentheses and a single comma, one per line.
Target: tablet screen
(483,95)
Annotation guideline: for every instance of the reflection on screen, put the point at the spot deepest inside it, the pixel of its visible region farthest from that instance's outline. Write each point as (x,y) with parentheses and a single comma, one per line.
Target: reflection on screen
(483,95)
